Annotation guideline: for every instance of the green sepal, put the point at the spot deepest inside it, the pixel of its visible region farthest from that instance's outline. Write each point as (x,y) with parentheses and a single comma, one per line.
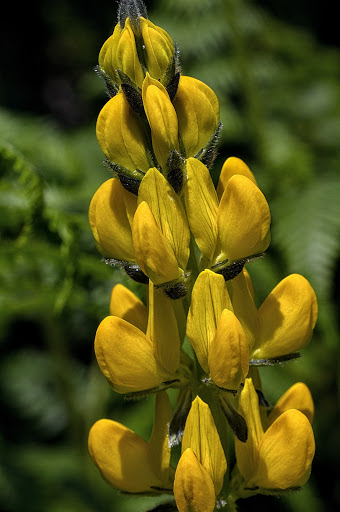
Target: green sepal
(134,99)
(175,170)
(111,87)
(169,506)
(131,269)
(172,74)
(236,422)
(208,154)
(272,361)
(128,178)
(176,427)
(132,9)
(137,395)
(229,270)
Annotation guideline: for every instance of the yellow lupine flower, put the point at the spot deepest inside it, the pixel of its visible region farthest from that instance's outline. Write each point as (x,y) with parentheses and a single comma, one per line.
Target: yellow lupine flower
(201,205)
(193,487)
(231,166)
(285,321)
(281,456)
(215,332)
(162,119)
(198,113)
(159,48)
(243,220)
(108,55)
(126,305)
(133,360)
(153,251)
(109,220)
(120,135)
(297,397)
(209,298)
(126,460)
(200,434)
(168,212)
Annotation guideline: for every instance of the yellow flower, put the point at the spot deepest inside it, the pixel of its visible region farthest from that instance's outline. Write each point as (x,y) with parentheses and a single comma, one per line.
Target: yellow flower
(285,321)
(193,487)
(158,48)
(110,214)
(133,361)
(119,52)
(154,253)
(231,166)
(162,119)
(297,397)
(198,113)
(281,456)
(120,135)
(168,213)
(215,332)
(126,460)
(126,305)
(200,434)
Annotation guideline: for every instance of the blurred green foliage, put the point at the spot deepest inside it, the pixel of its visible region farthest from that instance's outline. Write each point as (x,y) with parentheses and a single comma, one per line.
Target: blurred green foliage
(279,91)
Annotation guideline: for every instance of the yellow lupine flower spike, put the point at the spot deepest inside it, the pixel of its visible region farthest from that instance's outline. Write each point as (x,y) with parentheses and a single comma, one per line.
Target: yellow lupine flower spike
(243,220)
(201,206)
(126,357)
(209,298)
(162,119)
(125,304)
(297,397)
(153,251)
(198,113)
(200,434)
(193,487)
(120,135)
(109,220)
(126,460)
(280,457)
(231,166)
(168,212)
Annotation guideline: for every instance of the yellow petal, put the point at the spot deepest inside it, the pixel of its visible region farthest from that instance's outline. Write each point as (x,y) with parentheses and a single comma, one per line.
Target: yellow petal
(168,212)
(286,318)
(121,456)
(162,330)
(120,134)
(231,166)
(127,56)
(158,447)
(297,397)
(200,434)
(193,487)
(153,251)
(162,119)
(109,222)
(242,297)
(243,219)
(209,298)
(125,304)
(159,48)
(228,352)
(247,453)
(126,356)
(108,55)
(286,452)
(201,206)
(198,113)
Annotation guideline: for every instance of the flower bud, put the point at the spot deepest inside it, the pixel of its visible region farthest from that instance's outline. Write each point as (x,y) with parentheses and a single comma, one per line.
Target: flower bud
(158,49)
